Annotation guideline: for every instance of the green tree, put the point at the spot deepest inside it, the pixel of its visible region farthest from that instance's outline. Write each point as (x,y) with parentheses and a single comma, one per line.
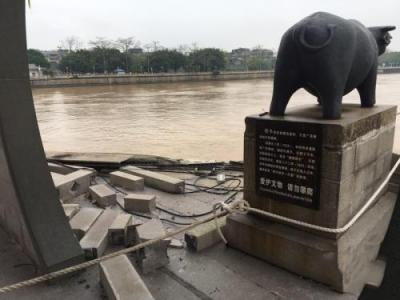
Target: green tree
(81,61)
(107,59)
(124,44)
(259,63)
(390,58)
(166,60)
(207,60)
(36,57)
(138,63)
(100,45)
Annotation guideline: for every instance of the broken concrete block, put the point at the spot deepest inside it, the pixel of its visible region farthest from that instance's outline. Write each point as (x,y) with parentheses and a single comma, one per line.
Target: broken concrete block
(121,281)
(94,243)
(205,235)
(118,231)
(83,220)
(103,195)
(158,181)
(150,230)
(56,177)
(140,203)
(127,181)
(131,233)
(71,210)
(74,184)
(154,256)
(62,186)
(176,244)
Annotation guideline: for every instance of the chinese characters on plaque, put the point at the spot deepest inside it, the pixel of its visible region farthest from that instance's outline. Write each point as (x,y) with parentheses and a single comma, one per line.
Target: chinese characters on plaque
(288,161)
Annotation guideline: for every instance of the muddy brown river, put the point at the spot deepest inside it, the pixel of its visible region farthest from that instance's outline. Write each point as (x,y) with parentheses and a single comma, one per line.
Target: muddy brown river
(191,120)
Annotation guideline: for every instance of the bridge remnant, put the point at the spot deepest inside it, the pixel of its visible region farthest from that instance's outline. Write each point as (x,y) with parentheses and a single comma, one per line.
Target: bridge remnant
(29,207)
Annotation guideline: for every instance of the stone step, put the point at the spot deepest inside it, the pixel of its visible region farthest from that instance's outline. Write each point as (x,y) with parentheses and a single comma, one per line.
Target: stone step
(118,231)
(140,203)
(127,181)
(83,220)
(71,210)
(94,243)
(205,235)
(157,180)
(121,281)
(103,195)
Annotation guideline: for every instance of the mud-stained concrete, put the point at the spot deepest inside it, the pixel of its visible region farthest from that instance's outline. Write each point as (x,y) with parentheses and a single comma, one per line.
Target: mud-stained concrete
(218,272)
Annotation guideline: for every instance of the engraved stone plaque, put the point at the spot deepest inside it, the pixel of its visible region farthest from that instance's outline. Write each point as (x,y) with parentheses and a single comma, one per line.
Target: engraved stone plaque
(288,161)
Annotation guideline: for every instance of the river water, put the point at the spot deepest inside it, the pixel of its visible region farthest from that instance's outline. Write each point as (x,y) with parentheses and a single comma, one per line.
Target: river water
(191,120)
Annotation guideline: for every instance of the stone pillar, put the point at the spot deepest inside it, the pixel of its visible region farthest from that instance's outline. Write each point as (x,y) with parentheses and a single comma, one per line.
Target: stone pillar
(30,210)
(320,172)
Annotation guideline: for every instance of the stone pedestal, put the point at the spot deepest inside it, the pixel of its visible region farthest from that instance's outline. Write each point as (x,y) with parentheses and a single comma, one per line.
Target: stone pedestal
(320,172)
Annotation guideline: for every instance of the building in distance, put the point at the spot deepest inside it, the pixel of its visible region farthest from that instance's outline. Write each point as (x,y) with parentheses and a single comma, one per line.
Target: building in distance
(35,71)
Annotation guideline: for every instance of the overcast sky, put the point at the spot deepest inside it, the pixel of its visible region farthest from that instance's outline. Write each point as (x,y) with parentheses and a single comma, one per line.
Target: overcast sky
(225,24)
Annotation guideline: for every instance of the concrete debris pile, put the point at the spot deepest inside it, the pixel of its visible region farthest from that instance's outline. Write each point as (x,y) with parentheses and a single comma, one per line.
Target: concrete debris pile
(110,214)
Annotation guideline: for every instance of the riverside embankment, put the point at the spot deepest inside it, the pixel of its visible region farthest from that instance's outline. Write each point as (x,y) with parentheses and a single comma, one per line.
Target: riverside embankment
(85,80)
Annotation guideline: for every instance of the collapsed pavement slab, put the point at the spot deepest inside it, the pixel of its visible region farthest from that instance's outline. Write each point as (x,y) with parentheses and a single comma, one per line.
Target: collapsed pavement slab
(157,180)
(140,203)
(118,231)
(128,181)
(83,220)
(103,195)
(204,235)
(121,281)
(95,241)
(154,256)
(71,210)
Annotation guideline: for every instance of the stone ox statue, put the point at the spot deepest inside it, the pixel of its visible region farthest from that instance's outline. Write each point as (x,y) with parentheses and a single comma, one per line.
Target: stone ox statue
(329,57)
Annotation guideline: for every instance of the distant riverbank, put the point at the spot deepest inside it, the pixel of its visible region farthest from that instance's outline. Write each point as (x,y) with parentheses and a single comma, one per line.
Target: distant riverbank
(85,80)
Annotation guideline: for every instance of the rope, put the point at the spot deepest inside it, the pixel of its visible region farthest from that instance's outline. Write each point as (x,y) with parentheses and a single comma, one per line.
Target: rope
(242,206)
(239,206)
(56,274)
(236,206)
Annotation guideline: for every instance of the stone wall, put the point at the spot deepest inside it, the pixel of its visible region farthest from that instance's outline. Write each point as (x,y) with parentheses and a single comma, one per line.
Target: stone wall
(148,78)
